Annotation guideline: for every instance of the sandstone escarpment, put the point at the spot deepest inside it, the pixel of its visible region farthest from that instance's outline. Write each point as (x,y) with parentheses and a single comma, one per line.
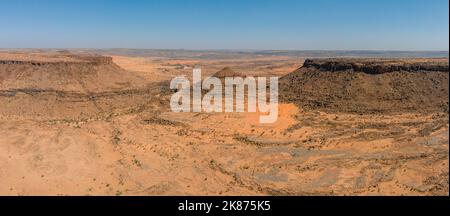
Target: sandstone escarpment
(368,85)
(71,73)
(86,60)
(68,86)
(375,66)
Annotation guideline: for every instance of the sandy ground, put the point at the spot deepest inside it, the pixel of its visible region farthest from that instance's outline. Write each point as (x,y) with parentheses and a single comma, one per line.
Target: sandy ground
(153,151)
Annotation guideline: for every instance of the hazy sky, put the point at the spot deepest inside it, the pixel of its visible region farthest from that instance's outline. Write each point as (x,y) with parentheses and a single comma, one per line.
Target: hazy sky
(226,24)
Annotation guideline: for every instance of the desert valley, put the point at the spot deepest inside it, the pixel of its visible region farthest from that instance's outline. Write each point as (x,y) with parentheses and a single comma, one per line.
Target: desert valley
(98,122)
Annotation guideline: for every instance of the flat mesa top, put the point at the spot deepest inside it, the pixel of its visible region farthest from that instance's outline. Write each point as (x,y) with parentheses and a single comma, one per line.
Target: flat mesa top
(382,61)
(48,57)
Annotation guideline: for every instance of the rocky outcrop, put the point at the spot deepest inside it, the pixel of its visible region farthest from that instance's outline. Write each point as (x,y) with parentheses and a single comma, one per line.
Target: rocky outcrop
(368,85)
(374,66)
(66,73)
(87,60)
(227,72)
(70,87)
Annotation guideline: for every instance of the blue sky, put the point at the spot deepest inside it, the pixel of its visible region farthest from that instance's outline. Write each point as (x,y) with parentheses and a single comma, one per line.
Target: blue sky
(226,24)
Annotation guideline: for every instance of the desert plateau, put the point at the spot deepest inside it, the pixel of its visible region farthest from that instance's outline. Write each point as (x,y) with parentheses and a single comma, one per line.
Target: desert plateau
(98,122)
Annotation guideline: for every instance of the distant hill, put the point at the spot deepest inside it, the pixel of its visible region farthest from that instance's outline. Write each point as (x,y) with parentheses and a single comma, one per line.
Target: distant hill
(227,72)
(231,54)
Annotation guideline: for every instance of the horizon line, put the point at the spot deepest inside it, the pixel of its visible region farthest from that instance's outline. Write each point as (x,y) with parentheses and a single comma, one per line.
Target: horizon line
(227,49)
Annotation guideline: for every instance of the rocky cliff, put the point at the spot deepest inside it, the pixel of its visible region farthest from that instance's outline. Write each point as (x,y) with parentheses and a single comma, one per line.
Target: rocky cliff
(374,66)
(368,85)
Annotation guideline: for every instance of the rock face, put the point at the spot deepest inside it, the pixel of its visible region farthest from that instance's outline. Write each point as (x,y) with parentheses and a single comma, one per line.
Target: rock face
(368,85)
(370,66)
(68,86)
(88,60)
(81,74)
